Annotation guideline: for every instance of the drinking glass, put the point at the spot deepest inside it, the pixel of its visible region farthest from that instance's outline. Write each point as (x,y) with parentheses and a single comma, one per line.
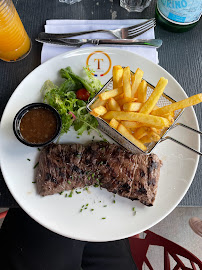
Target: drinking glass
(135,5)
(14,41)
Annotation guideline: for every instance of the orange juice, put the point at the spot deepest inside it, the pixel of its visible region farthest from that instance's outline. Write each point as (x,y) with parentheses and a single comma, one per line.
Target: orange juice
(14,41)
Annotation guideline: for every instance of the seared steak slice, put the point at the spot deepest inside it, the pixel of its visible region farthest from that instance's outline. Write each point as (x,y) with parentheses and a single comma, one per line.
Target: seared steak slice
(66,167)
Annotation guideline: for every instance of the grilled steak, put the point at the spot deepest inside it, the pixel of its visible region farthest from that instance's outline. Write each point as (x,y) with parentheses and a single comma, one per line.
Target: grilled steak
(66,167)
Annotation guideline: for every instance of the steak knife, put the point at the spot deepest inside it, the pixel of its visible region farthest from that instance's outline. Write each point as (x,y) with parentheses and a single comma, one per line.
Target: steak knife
(126,42)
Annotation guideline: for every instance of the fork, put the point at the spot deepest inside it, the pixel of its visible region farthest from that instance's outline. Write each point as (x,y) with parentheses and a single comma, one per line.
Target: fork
(121,33)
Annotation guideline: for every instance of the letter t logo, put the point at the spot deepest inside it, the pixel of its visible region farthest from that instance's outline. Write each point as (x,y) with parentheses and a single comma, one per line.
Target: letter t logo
(98,62)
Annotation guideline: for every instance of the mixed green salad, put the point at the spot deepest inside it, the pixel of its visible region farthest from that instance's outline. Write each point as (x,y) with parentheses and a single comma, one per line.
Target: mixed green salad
(70,99)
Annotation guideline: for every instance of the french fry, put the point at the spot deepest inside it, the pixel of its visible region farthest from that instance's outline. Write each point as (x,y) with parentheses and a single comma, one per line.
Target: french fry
(193,100)
(117,76)
(153,99)
(126,82)
(151,137)
(132,106)
(155,108)
(125,100)
(98,103)
(156,130)
(136,80)
(119,97)
(95,114)
(165,115)
(107,107)
(152,120)
(169,117)
(113,105)
(142,92)
(133,130)
(99,111)
(141,132)
(111,93)
(126,133)
(114,123)
(132,125)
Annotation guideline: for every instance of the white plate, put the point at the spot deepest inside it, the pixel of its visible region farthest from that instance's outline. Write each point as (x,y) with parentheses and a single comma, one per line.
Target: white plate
(61,214)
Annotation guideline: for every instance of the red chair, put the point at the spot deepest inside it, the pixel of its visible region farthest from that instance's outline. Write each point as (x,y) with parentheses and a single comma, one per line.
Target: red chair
(139,248)
(3,214)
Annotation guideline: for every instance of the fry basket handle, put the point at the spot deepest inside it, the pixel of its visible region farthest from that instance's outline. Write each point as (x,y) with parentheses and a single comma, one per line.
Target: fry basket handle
(182,144)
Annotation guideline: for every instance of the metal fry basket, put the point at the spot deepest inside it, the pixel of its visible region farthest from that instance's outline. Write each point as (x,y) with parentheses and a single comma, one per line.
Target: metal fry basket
(123,141)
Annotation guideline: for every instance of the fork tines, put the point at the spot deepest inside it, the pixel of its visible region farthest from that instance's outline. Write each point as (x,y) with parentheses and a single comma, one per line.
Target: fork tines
(136,30)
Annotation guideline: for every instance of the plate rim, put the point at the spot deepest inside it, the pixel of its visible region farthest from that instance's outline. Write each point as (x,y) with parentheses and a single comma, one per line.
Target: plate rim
(124,235)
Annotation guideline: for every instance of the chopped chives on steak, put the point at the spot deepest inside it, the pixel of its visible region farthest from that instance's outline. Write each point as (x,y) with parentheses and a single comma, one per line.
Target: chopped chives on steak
(134,176)
(36,165)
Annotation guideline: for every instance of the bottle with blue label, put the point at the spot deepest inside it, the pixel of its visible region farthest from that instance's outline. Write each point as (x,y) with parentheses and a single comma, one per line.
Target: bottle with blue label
(178,15)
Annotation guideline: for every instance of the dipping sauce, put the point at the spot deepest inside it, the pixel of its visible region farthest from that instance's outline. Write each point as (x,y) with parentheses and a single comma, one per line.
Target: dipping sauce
(38,125)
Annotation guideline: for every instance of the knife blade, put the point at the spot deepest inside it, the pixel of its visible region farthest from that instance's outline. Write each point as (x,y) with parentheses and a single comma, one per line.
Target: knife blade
(79,42)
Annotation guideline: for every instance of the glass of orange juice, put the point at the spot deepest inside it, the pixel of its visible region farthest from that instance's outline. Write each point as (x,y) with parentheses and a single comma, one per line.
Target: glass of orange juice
(14,41)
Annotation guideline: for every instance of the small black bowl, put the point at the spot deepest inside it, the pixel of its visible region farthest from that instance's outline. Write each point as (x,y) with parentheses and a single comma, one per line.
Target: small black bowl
(23,111)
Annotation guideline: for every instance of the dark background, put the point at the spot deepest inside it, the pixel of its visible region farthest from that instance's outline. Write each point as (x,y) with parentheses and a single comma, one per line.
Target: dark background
(180,55)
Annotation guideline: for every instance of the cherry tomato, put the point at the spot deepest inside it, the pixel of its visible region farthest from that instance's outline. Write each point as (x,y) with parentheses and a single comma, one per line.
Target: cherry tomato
(82,94)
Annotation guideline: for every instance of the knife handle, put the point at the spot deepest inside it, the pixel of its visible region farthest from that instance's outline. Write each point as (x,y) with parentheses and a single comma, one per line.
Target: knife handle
(142,42)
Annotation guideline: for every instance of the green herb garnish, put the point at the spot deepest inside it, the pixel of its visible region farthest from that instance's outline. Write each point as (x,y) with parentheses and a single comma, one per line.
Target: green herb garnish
(36,165)
(91,209)
(104,218)
(28,159)
(34,182)
(69,182)
(70,194)
(134,210)
(78,192)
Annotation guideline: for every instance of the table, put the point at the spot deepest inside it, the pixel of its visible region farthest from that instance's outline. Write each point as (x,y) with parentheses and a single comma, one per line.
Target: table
(180,55)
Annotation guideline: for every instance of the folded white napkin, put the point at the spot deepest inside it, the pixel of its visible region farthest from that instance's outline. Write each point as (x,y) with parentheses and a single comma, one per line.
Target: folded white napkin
(67,26)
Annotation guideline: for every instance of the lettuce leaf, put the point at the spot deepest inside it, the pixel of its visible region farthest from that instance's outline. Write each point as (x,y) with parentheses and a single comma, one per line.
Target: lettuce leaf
(63,99)
(90,83)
